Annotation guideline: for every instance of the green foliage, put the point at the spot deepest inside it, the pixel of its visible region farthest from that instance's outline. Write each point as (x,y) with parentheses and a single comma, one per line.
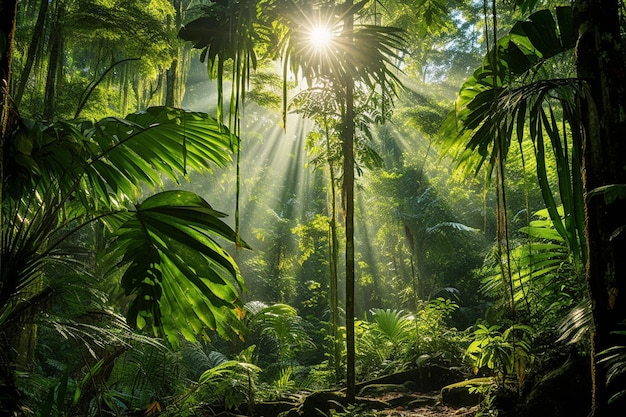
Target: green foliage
(111,55)
(546,278)
(130,28)
(62,397)
(67,177)
(614,359)
(229,382)
(230,31)
(417,232)
(391,324)
(179,276)
(514,94)
(396,339)
(281,323)
(323,105)
(505,352)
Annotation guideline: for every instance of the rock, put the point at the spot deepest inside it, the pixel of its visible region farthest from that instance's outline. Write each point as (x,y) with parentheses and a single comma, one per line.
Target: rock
(424,378)
(271,408)
(318,403)
(422,401)
(460,394)
(564,391)
(377,389)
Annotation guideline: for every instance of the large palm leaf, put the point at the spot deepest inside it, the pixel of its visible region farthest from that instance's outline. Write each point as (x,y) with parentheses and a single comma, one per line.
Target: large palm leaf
(230,30)
(281,323)
(546,277)
(65,176)
(180,277)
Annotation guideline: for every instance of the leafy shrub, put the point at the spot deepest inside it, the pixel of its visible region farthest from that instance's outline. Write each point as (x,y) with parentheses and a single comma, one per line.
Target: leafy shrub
(505,352)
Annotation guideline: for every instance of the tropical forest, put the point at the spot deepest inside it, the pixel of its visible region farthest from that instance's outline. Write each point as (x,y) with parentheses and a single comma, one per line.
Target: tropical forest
(302,208)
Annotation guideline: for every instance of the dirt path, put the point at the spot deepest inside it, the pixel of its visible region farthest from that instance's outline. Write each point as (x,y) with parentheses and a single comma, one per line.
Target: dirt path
(429,411)
(418,405)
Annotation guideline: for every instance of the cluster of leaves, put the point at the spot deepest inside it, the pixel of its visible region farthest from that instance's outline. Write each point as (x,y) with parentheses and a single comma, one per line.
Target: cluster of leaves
(66,176)
(546,277)
(506,353)
(396,339)
(71,203)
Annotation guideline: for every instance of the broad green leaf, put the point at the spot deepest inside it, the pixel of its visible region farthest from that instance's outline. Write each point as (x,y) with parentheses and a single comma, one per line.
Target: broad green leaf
(181,278)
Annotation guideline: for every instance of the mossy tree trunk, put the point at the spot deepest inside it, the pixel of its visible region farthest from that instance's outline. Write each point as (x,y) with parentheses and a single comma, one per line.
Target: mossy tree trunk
(601,66)
(8,13)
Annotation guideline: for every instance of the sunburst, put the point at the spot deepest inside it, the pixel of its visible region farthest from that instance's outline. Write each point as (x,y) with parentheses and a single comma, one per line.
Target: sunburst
(320,37)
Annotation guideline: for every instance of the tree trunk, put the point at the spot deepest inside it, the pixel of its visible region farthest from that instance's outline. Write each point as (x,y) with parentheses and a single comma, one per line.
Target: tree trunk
(54,65)
(601,66)
(334,258)
(171,77)
(9,396)
(348,195)
(8,13)
(173,96)
(35,45)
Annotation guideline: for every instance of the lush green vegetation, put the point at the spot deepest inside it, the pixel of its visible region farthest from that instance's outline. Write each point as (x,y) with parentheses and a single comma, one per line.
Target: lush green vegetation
(201,208)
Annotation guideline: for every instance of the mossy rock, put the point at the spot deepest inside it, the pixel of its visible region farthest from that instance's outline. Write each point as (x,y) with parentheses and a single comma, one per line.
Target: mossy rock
(562,392)
(460,394)
(378,389)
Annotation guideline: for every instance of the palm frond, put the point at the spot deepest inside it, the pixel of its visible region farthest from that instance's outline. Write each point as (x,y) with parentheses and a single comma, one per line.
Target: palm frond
(513,95)
(181,278)
(70,175)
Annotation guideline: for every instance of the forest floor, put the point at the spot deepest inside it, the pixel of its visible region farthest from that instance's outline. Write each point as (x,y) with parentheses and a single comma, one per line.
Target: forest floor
(389,404)
(423,405)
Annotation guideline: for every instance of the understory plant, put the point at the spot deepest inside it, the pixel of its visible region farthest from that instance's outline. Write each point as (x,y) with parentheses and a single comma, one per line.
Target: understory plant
(397,340)
(506,353)
(229,382)
(540,278)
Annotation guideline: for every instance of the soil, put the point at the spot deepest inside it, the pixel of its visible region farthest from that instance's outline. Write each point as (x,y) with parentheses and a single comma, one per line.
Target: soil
(422,405)
(388,404)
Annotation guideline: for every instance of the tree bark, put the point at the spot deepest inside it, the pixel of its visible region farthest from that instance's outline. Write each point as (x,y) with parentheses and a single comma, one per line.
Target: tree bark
(334,258)
(173,87)
(600,65)
(54,64)
(9,395)
(35,45)
(8,13)
(348,195)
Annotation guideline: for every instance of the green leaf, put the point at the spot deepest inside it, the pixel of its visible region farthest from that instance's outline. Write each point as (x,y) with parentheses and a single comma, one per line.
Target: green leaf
(181,278)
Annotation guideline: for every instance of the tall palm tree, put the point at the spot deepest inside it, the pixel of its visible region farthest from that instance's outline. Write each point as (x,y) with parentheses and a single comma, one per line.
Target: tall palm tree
(324,105)
(355,56)
(359,55)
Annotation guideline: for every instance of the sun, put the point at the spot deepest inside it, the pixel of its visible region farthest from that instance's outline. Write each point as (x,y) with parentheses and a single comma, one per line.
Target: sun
(320,37)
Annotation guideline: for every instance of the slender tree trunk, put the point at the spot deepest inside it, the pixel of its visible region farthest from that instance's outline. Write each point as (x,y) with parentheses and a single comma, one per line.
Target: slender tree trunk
(173,97)
(348,195)
(333,264)
(171,77)
(601,66)
(54,64)
(35,45)
(9,396)
(8,13)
